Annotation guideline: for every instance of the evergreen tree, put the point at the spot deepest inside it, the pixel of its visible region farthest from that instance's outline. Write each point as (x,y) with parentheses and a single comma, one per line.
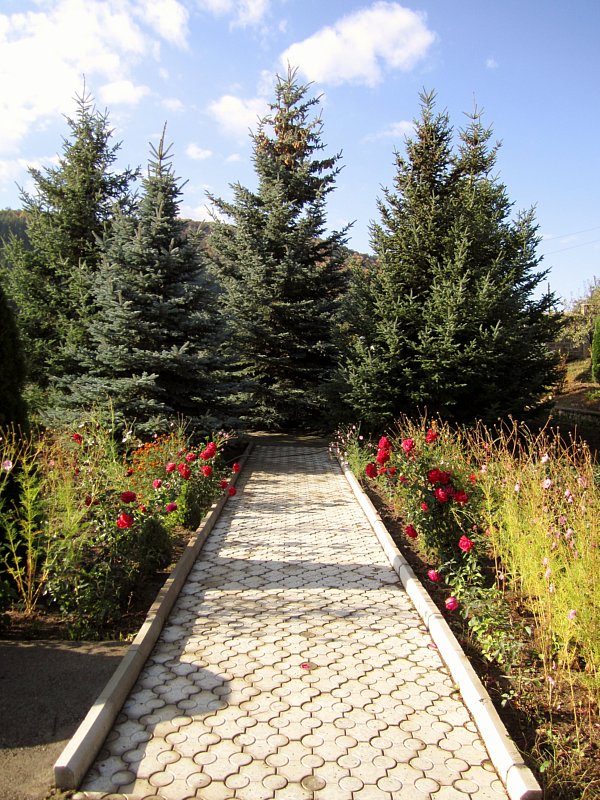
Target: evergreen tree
(154,330)
(12,369)
(281,274)
(50,276)
(447,320)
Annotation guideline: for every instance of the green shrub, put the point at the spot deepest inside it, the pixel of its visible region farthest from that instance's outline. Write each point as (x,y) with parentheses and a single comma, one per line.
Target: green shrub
(596,352)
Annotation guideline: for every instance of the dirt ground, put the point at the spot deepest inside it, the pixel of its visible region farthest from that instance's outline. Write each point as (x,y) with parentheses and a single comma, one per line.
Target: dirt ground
(46,689)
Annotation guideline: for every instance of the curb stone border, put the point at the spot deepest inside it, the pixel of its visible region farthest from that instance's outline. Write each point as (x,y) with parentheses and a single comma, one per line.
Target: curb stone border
(86,742)
(518,779)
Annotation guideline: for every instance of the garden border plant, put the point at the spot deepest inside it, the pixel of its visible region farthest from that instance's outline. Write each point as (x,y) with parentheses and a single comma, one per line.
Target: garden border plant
(505,518)
(95,518)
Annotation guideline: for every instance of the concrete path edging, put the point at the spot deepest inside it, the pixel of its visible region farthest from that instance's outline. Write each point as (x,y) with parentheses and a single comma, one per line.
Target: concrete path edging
(518,779)
(86,742)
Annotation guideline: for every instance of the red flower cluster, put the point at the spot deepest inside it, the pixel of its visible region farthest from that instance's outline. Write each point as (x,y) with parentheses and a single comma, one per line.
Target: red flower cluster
(384,451)
(444,491)
(209,452)
(184,471)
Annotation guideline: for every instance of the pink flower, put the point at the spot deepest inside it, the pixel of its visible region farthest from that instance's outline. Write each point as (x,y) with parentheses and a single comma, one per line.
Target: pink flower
(7,465)
(128,497)
(124,520)
(547,484)
(442,495)
(157,483)
(232,491)
(408,445)
(465,544)
(170,467)
(371,470)
(434,575)
(451,603)
(572,614)
(171,507)
(411,531)
(207,471)
(77,437)
(184,471)
(431,436)
(545,458)
(190,457)
(235,467)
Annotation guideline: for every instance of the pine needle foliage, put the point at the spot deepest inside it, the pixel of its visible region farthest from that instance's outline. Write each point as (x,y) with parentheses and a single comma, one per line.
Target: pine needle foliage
(152,339)
(447,318)
(281,272)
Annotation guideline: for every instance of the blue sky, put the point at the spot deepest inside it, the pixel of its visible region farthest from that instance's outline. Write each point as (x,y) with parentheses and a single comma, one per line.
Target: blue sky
(207,68)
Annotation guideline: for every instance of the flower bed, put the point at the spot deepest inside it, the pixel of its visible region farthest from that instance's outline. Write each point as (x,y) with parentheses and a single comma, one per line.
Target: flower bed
(503,525)
(88,520)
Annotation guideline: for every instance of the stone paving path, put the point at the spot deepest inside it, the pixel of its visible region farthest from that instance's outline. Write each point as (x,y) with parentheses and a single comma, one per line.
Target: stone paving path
(293,664)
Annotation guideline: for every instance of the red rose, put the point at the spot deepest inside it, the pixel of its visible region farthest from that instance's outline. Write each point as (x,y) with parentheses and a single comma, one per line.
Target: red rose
(461,497)
(224,483)
(433,476)
(170,467)
(371,471)
(465,544)
(430,436)
(157,483)
(434,575)
(442,495)
(184,471)
(473,477)
(451,603)
(408,445)
(209,451)
(382,456)
(392,471)
(128,497)
(232,491)
(124,520)
(424,507)
(171,507)
(129,472)
(190,457)
(445,477)
(235,467)
(207,471)
(77,437)
(384,443)
(411,531)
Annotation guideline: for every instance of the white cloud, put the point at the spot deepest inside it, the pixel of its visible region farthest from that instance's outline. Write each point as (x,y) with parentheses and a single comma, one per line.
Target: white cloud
(491,63)
(45,52)
(397,130)
(122,92)
(360,46)
(201,213)
(233,158)
(237,116)
(168,18)
(172,104)
(197,153)
(244,12)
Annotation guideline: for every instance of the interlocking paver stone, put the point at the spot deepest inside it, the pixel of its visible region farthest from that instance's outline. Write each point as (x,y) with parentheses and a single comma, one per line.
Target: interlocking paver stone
(293,664)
